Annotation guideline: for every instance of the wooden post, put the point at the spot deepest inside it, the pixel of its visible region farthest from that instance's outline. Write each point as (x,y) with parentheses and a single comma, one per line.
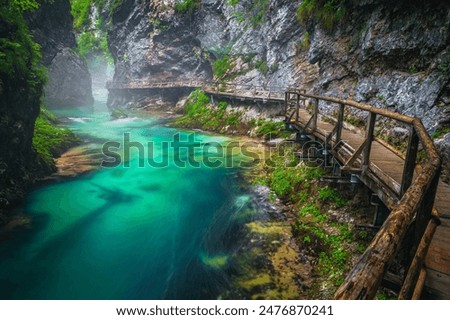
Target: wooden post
(410,161)
(419,286)
(424,213)
(340,123)
(370,128)
(409,284)
(286,101)
(315,114)
(297,106)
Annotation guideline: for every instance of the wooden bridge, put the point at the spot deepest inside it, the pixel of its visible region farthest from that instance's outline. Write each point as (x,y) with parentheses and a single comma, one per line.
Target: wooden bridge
(408,186)
(224,90)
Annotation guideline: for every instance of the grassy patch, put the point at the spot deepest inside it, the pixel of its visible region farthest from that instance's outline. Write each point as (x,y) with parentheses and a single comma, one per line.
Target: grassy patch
(198,114)
(331,196)
(440,133)
(49,141)
(269,129)
(221,66)
(331,244)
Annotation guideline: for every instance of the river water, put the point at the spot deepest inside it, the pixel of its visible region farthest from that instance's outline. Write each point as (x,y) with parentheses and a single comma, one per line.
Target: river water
(128,232)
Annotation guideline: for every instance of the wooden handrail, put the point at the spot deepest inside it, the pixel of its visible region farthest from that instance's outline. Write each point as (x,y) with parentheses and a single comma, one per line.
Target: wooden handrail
(363,280)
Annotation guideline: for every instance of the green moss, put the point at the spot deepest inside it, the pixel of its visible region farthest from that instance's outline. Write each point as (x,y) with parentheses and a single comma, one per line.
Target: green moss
(304,42)
(50,141)
(269,129)
(19,55)
(199,114)
(257,12)
(262,67)
(186,6)
(440,133)
(215,262)
(232,3)
(257,282)
(269,228)
(326,12)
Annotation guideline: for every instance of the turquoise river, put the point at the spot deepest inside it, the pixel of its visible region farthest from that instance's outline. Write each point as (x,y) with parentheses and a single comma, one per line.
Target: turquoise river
(128,232)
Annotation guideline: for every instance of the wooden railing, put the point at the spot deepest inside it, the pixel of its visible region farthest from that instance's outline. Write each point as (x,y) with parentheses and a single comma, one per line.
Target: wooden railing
(415,197)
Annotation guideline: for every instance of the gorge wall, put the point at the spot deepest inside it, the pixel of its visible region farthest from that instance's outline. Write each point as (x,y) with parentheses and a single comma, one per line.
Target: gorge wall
(69,83)
(389,54)
(22,80)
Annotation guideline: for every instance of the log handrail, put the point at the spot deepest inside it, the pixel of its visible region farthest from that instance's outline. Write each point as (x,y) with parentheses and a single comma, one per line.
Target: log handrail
(363,280)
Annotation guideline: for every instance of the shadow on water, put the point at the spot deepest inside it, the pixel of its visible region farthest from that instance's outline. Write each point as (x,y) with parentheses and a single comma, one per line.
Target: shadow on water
(59,244)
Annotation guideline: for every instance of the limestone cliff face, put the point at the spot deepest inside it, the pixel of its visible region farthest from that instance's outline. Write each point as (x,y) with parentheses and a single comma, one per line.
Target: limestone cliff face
(69,82)
(389,54)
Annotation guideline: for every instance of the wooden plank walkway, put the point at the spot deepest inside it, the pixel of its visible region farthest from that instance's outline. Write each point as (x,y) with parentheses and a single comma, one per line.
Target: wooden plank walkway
(437,284)
(220,89)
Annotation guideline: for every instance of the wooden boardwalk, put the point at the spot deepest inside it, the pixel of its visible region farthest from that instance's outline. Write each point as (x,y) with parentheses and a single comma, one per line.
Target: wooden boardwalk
(410,189)
(223,90)
(437,283)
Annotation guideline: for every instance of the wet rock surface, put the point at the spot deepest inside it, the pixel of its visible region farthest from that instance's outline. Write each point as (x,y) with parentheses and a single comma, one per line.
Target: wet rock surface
(69,83)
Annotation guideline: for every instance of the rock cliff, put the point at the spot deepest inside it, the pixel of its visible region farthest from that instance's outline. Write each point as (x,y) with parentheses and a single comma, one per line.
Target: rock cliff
(69,82)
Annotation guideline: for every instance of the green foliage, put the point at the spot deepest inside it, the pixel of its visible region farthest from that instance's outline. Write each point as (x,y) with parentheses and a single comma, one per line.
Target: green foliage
(19,55)
(186,6)
(25,5)
(269,129)
(288,179)
(232,3)
(440,133)
(50,141)
(91,41)
(313,211)
(304,42)
(262,67)
(329,195)
(413,69)
(221,66)
(198,114)
(80,11)
(239,15)
(327,12)
(258,11)
(87,43)
(354,121)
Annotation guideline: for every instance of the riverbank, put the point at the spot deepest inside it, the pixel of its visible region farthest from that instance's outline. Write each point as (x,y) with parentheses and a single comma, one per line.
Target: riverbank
(49,142)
